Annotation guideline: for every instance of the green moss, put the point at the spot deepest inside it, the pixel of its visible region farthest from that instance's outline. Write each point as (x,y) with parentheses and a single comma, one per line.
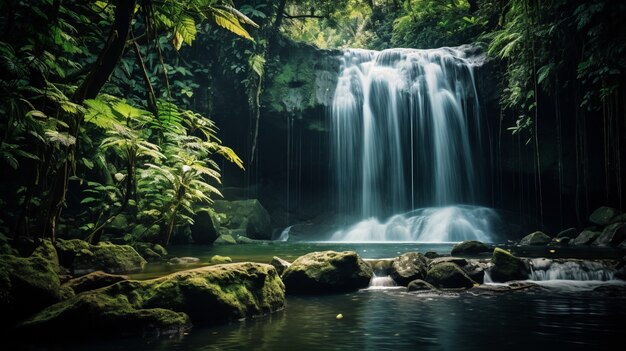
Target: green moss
(448,275)
(507,267)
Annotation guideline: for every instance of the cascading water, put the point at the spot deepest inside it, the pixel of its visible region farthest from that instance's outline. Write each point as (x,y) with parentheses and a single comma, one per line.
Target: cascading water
(406,134)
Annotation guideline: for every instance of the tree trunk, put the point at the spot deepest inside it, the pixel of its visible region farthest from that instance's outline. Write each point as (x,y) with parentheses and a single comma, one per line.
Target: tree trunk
(110,54)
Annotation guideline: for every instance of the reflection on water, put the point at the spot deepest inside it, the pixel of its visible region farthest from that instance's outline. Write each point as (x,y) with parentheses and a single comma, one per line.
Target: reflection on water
(396,320)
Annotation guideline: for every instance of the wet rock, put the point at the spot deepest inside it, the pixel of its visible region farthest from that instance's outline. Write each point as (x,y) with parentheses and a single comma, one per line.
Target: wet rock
(461,262)
(612,235)
(280,265)
(408,267)
(28,284)
(470,247)
(246,240)
(183,260)
(205,295)
(420,285)
(327,272)
(507,267)
(448,275)
(225,240)
(619,219)
(603,215)
(82,258)
(535,239)
(476,270)
(569,233)
(381,267)
(586,237)
(431,255)
(205,229)
(246,215)
(217,259)
(93,281)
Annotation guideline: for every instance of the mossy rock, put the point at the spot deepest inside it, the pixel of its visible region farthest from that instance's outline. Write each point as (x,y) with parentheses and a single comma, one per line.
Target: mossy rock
(603,215)
(93,281)
(470,247)
(586,237)
(327,272)
(225,240)
(150,252)
(568,233)
(206,295)
(205,229)
(507,267)
(217,259)
(408,267)
(28,284)
(535,239)
(612,235)
(280,265)
(448,275)
(245,217)
(420,285)
(82,257)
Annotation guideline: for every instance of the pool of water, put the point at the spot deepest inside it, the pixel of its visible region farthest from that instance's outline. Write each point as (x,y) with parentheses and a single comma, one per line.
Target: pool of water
(558,316)
(264,251)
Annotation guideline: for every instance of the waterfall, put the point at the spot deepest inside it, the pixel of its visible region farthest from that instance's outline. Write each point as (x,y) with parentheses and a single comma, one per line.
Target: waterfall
(405,134)
(546,269)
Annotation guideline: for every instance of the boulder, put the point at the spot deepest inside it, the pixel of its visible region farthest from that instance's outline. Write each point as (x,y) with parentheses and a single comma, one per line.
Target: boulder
(603,215)
(381,267)
(82,258)
(150,252)
(535,239)
(619,218)
(247,215)
(476,270)
(245,240)
(217,259)
(461,262)
(205,229)
(431,255)
(507,267)
(93,281)
(28,284)
(408,267)
(225,240)
(205,295)
(280,265)
(448,275)
(327,272)
(568,233)
(612,235)
(420,285)
(470,247)
(586,237)
(183,260)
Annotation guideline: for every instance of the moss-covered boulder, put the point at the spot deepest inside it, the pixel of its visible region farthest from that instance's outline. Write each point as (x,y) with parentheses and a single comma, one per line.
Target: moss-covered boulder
(225,240)
(28,284)
(217,259)
(82,258)
(448,275)
(603,215)
(420,285)
(507,267)
(535,239)
(408,267)
(280,265)
(150,252)
(470,247)
(461,262)
(586,237)
(246,216)
(205,295)
(327,272)
(612,235)
(205,229)
(93,281)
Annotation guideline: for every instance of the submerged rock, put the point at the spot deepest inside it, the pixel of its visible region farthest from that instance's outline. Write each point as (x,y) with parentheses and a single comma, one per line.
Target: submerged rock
(470,247)
(612,235)
(280,265)
(408,267)
(28,284)
(535,239)
(248,216)
(586,237)
(205,295)
(420,285)
(603,215)
(82,258)
(93,281)
(507,267)
(327,272)
(448,275)
(183,260)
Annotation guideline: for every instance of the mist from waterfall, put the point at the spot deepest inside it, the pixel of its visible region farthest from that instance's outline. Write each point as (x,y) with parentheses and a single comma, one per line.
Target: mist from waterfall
(405,134)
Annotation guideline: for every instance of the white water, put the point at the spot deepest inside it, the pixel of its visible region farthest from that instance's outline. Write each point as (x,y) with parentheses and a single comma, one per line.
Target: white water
(382,282)
(405,128)
(545,269)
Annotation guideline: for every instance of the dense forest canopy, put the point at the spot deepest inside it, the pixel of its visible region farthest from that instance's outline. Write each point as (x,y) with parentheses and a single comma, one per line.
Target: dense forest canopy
(107,106)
